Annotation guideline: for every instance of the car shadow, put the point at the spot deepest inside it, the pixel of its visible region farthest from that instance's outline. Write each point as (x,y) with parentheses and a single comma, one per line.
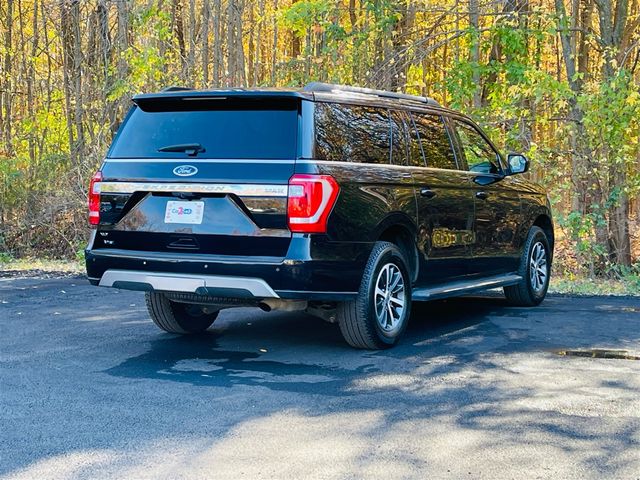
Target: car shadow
(462,370)
(297,352)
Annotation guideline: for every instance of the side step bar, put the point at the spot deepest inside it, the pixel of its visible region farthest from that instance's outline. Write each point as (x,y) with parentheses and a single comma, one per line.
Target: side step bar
(463,287)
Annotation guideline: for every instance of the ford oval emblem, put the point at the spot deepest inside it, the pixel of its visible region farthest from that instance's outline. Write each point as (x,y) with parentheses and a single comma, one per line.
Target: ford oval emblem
(185,170)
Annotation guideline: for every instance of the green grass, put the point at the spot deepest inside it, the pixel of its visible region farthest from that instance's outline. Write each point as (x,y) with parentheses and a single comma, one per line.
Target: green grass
(629,285)
(46,265)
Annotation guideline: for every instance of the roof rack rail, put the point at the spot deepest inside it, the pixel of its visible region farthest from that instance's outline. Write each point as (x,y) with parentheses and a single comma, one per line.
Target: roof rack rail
(175,88)
(330,87)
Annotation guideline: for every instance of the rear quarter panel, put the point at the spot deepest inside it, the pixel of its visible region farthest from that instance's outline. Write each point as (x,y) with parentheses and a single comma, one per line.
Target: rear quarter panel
(372,198)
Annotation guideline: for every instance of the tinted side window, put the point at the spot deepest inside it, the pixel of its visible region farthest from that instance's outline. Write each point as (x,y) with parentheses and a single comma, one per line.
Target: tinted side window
(351,133)
(416,155)
(480,156)
(434,141)
(398,138)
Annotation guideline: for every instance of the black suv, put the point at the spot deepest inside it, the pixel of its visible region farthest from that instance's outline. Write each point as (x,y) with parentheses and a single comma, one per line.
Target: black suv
(344,202)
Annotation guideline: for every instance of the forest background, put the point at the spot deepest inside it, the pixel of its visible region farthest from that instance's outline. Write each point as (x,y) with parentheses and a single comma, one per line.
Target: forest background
(555,79)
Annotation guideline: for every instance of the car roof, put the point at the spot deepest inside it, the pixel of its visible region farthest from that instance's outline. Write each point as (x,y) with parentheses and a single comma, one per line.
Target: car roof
(316,91)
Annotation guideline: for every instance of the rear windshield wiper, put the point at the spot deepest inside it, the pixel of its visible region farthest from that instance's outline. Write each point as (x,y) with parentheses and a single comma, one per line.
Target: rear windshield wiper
(190,149)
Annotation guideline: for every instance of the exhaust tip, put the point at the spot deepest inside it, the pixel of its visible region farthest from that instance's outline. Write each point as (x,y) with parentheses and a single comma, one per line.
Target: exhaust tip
(264,307)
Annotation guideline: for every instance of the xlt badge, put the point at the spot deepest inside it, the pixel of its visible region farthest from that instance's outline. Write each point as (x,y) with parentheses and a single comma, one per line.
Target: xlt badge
(185,170)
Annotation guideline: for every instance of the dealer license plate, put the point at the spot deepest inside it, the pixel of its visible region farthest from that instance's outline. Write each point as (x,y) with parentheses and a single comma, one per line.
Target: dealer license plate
(184,212)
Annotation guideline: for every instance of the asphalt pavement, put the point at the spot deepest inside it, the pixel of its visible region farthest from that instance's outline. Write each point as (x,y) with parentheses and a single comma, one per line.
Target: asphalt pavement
(90,388)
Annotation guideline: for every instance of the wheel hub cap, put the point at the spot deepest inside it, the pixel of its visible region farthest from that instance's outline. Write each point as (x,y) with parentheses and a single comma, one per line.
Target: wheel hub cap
(538,267)
(389,298)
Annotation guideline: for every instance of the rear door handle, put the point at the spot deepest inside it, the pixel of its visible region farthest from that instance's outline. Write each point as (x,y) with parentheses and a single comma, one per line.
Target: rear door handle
(482,195)
(427,193)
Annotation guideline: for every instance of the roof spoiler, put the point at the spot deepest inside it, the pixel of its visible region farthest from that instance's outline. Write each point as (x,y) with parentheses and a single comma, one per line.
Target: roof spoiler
(176,88)
(179,94)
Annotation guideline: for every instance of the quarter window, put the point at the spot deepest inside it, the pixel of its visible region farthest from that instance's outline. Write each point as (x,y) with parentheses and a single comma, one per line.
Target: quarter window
(434,141)
(480,156)
(351,133)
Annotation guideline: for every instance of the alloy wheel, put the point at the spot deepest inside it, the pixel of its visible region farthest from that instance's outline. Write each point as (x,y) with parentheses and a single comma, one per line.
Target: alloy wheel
(538,267)
(390,298)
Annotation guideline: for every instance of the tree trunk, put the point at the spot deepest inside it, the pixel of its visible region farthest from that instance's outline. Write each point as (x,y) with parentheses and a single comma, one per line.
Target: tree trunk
(585,193)
(618,225)
(77,79)
(257,65)
(191,56)
(66,35)
(103,49)
(613,23)
(294,40)
(104,37)
(122,38)
(178,22)
(120,45)
(231,43)
(217,44)
(8,84)
(275,42)
(400,42)
(474,51)
(579,153)
(240,62)
(206,14)
(252,45)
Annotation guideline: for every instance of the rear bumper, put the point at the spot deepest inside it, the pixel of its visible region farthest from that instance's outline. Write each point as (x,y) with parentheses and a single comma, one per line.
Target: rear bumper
(313,269)
(214,285)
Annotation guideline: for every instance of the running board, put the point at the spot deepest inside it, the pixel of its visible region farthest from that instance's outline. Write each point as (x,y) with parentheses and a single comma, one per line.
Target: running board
(463,287)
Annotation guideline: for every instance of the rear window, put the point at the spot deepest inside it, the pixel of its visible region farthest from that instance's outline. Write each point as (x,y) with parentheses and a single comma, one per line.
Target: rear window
(236,129)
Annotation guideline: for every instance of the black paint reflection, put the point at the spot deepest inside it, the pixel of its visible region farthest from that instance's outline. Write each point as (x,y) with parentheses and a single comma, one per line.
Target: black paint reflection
(434,141)
(351,133)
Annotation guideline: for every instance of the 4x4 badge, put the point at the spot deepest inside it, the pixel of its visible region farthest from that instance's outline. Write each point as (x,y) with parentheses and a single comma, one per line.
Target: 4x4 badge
(185,170)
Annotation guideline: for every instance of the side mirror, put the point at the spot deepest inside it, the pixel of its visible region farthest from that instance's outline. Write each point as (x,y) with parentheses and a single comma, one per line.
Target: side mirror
(518,163)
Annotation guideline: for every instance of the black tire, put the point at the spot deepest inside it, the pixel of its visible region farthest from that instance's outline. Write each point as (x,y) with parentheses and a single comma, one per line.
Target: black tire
(358,319)
(525,293)
(176,317)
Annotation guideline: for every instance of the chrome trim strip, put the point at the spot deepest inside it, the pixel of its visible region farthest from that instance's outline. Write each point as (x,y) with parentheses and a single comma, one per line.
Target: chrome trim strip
(243,190)
(316,292)
(175,282)
(188,258)
(199,160)
(388,165)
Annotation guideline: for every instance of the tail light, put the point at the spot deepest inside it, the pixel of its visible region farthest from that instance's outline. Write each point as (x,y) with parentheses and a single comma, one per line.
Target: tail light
(309,203)
(94,199)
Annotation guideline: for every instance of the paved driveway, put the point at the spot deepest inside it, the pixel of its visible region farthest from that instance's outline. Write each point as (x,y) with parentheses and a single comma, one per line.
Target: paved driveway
(89,388)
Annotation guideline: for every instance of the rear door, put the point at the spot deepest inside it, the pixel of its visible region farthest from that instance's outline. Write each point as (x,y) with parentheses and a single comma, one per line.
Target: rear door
(445,202)
(201,175)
